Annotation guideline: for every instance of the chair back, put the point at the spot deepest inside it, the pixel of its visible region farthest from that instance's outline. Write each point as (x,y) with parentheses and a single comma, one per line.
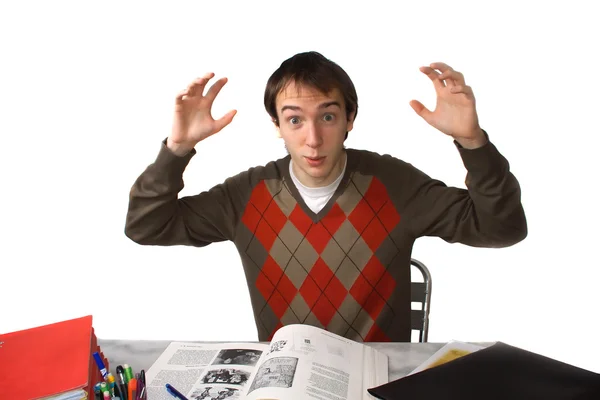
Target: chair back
(420,293)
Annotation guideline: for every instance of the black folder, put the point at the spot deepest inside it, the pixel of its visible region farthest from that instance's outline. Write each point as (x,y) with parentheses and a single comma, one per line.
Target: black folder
(500,371)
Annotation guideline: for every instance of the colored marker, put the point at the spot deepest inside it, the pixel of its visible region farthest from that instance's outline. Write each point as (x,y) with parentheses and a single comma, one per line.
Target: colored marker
(132,386)
(121,382)
(138,388)
(111,382)
(106,396)
(128,373)
(100,365)
(117,392)
(97,392)
(174,392)
(143,385)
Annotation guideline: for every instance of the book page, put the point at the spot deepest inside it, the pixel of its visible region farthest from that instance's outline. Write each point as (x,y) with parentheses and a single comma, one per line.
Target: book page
(450,351)
(205,370)
(305,362)
(377,371)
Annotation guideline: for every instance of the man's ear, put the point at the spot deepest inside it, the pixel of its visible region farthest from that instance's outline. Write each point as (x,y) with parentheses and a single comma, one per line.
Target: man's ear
(277,132)
(350,122)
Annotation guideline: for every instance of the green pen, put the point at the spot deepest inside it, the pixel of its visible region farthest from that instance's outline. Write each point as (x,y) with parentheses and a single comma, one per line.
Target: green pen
(111,383)
(128,373)
(104,387)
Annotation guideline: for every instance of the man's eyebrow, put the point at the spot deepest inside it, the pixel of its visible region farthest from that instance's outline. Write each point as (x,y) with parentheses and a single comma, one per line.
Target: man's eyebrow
(330,103)
(322,105)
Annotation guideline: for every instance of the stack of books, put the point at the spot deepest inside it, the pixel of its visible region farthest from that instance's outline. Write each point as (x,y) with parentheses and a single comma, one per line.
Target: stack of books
(53,361)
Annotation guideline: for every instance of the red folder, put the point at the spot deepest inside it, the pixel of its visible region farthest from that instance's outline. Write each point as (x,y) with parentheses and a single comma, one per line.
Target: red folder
(49,360)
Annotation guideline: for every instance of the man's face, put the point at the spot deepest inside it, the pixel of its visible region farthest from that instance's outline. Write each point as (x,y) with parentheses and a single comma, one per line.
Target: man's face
(313,126)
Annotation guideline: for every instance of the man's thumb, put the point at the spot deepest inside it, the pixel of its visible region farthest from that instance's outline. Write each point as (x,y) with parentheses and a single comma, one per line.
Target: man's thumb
(225,120)
(420,109)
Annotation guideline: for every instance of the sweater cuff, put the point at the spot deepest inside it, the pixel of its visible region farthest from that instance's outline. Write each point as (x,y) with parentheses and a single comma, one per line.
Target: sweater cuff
(167,158)
(487,137)
(484,158)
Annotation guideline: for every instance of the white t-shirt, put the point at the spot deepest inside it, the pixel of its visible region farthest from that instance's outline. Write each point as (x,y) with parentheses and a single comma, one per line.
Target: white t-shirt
(316,198)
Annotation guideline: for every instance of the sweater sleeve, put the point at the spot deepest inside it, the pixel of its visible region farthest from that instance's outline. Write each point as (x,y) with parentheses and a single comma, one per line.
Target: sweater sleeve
(156,216)
(489,213)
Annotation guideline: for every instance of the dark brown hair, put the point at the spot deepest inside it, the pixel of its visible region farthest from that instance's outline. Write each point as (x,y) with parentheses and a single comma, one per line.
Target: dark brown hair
(314,70)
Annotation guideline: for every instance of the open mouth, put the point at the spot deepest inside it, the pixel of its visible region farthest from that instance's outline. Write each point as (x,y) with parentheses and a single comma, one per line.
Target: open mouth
(314,161)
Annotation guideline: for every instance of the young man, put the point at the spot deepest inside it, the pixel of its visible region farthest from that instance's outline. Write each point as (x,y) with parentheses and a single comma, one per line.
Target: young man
(325,234)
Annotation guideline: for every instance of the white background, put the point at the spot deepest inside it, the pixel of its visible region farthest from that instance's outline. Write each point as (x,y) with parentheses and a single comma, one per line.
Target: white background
(86,95)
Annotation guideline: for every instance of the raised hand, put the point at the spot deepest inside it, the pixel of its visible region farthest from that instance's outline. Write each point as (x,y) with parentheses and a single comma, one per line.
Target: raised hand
(455,113)
(193,121)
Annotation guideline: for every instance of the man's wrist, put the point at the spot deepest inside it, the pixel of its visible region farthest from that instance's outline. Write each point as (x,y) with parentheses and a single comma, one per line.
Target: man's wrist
(179,149)
(478,140)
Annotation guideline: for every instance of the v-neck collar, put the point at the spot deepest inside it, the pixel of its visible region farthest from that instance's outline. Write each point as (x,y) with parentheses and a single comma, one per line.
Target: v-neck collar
(316,217)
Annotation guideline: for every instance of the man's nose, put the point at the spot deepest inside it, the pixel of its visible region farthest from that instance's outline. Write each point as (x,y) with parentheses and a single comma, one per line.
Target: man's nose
(313,136)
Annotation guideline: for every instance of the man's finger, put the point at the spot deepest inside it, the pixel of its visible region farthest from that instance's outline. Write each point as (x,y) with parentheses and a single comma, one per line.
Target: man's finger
(462,89)
(215,89)
(442,67)
(450,74)
(433,75)
(447,74)
(224,120)
(197,86)
(421,110)
(180,96)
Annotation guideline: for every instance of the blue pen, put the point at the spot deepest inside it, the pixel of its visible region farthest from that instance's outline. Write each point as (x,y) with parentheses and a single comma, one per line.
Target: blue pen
(174,392)
(100,365)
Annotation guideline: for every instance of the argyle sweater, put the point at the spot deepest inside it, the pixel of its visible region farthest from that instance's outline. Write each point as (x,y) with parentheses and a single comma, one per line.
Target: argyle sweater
(347,268)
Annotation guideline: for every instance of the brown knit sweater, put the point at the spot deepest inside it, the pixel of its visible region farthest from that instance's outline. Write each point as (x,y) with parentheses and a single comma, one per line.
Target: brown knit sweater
(347,268)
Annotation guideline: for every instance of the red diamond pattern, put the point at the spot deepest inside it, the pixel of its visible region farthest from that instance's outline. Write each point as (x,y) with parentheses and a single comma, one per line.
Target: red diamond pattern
(361,290)
(261,197)
(373,270)
(389,216)
(275,217)
(336,292)
(324,310)
(264,285)
(318,237)
(321,273)
(272,270)
(322,291)
(301,221)
(265,234)
(310,291)
(287,289)
(361,215)
(251,217)
(334,218)
(374,235)
(278,304)
(374,305)
(376,195)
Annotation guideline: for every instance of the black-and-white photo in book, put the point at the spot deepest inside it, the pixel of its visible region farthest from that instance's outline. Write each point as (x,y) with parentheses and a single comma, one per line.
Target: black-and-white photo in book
(300,362)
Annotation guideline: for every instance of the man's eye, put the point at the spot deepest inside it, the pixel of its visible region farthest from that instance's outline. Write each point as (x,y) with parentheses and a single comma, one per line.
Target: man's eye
(294,120)
(328,117)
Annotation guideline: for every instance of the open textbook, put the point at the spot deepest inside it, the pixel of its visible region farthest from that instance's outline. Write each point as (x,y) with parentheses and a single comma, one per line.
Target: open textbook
(300,362)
